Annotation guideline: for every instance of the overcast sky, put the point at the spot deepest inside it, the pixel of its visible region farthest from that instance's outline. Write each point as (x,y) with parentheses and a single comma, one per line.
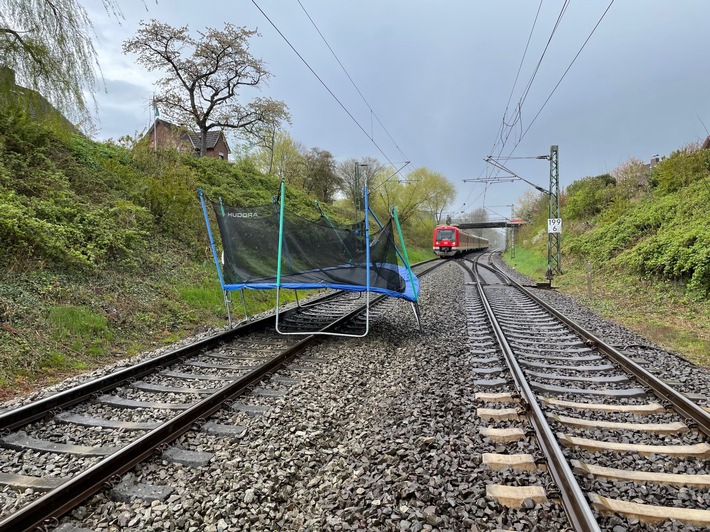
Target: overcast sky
(438,76)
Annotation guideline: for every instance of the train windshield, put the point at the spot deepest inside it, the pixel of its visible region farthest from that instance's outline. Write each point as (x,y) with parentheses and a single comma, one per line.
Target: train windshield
(445,234)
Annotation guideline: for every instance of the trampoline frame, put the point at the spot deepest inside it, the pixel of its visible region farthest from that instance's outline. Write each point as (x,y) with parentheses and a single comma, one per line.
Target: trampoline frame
(226,289)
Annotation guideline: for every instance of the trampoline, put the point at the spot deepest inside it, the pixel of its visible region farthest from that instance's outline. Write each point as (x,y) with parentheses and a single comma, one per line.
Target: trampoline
(269,247)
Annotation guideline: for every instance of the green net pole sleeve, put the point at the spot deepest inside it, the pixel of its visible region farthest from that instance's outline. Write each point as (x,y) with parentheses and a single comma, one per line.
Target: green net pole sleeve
(209,233)
(281,233)
(404,250)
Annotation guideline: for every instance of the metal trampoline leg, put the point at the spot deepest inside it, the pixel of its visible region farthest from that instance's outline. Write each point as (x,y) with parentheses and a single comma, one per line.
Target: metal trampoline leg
(415,307)
(227,301)
(244,304)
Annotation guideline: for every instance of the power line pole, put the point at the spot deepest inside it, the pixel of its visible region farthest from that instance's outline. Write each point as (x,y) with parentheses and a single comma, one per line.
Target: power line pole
(512,232)
(554,221)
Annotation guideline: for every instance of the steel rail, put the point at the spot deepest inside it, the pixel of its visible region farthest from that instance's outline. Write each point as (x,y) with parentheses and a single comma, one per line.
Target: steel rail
(573,500)
(22,416)
(67,496)
(26,414)
(680,402)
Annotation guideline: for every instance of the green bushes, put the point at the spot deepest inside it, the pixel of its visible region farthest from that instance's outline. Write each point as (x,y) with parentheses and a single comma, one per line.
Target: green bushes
(651,223)
(589,196)
(683,168)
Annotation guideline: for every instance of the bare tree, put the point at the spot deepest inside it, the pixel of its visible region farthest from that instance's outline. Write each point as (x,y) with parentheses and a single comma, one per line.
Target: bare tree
(204,77)
(479,214)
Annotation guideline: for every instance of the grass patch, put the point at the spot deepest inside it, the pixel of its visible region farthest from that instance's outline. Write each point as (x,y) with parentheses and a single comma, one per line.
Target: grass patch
(207,298)
(527,262)
(83,328)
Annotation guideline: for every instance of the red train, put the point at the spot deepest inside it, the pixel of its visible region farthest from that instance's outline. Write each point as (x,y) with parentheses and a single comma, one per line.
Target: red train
(449,241)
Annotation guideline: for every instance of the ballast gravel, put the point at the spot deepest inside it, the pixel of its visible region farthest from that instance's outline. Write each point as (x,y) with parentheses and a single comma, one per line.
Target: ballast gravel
(382,436)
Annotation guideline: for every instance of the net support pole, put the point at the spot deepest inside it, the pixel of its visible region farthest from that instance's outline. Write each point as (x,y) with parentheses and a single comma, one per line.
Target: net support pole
(404,251)
(415,303)
(278,263)
(216,257)
(367,259)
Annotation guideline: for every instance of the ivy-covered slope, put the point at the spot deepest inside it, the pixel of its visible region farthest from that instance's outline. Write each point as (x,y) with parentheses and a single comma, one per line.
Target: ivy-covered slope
(103,249)
(662,230)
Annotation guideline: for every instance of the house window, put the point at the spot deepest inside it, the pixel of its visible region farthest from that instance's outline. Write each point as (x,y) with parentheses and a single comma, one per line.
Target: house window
(221,155)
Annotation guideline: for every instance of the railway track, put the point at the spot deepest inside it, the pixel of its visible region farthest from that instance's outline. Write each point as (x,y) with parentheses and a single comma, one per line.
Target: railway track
(60,450)
(622,446)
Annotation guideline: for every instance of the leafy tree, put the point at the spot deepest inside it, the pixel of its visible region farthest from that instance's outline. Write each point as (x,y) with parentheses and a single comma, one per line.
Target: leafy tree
(268,138)
(204,77)
(681,168)
(47,44)
(321,180)
(631,179)
(284,158)
(439,192)
(529,203)
(423,192)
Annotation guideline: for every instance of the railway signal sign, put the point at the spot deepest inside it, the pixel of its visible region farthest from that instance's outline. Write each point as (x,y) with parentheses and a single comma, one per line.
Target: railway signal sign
(554,226)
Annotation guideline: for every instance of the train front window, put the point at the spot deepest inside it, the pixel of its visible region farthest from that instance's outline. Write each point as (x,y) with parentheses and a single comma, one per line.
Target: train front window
(445,234)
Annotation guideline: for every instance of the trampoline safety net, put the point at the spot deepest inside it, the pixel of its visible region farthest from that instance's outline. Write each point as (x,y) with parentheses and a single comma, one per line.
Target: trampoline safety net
(314,254)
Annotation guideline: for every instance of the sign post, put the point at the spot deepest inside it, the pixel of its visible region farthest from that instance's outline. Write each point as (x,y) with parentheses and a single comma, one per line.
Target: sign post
(554,221)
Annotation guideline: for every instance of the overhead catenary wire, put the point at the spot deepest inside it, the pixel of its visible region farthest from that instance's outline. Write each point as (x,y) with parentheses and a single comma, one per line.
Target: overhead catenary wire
(525,131)
(566,71)
(517,75)
(303,60)
(517,117)
(352,81)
